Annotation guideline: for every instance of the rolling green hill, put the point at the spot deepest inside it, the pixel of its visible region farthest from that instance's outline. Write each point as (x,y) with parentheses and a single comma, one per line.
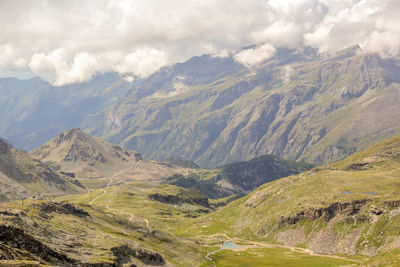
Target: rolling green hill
(350,207)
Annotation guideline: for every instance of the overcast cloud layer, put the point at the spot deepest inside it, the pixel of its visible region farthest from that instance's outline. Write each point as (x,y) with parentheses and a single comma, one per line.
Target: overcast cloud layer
(66,41)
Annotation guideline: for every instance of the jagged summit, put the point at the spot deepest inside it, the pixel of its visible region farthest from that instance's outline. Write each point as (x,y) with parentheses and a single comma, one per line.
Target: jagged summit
(77,152)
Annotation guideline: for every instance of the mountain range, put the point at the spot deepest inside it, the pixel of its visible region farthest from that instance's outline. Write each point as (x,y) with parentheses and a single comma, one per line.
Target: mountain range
(298,105)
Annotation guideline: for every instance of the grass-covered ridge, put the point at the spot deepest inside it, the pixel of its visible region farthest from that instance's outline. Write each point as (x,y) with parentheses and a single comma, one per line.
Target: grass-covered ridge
(350,207)
(238,178)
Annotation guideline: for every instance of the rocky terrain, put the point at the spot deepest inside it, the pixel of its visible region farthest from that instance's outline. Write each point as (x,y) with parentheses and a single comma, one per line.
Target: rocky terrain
(79,155)
(22,176)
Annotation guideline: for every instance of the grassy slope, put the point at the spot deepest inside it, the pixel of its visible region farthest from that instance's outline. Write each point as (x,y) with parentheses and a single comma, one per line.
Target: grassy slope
(125,215)
(257,215)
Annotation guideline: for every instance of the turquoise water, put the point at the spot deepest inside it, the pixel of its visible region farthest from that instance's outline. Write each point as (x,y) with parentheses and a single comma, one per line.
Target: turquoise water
(230,244)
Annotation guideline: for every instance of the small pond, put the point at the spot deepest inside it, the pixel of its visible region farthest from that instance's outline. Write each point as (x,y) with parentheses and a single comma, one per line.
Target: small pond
(230,245)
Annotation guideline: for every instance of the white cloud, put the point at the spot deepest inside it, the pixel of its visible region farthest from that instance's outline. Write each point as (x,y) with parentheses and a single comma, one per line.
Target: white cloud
(142,62)
(286,73)
(56,68)
(68,41)
(253,56)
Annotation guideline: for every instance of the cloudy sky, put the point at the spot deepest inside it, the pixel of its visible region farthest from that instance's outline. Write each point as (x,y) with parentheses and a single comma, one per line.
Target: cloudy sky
(66,41)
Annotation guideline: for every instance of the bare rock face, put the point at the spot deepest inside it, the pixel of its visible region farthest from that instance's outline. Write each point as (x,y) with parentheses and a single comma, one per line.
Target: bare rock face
(123,254)
(190,196)
(345,209)
(18,239)
(76,152)
(62,208)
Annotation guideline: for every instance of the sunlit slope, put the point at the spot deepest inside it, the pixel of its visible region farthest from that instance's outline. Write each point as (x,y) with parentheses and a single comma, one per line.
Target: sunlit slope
(350,207)
(295,105)
(111,226)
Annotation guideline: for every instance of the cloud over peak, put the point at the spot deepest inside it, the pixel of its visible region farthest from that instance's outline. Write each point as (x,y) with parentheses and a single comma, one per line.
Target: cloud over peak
(69,41)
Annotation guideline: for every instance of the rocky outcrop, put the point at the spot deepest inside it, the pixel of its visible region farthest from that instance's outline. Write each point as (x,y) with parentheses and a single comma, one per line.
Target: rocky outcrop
(17,238)
(181,198)
(124,253)
(62,208)
(345,209)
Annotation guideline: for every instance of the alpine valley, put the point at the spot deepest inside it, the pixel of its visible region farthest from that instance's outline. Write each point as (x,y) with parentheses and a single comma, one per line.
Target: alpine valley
(292,162)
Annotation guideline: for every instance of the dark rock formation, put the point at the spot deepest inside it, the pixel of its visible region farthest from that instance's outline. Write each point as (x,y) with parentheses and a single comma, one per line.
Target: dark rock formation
(124,253)
(346,209)
(62,208)
(181,198)
(17,238)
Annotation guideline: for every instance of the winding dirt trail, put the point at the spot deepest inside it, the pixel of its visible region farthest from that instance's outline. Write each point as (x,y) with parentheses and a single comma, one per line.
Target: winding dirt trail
(147,224)
(112,179)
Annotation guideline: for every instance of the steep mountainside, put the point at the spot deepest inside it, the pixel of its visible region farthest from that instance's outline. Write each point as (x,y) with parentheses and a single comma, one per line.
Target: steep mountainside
(79,155)
(295,105)
(33,111)
(240,177)
(22,176)
(350,207)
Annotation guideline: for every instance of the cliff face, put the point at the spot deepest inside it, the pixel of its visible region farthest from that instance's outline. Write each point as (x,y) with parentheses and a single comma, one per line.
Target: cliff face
(296,105)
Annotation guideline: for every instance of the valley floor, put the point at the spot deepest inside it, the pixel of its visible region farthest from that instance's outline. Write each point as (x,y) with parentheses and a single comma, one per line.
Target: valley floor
(124,214)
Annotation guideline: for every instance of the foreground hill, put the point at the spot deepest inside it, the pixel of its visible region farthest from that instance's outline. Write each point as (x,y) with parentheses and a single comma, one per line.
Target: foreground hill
(351,207)
(295,105)
(240,177)
(124,226)
(134,224)
(80,155)
(22,177)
